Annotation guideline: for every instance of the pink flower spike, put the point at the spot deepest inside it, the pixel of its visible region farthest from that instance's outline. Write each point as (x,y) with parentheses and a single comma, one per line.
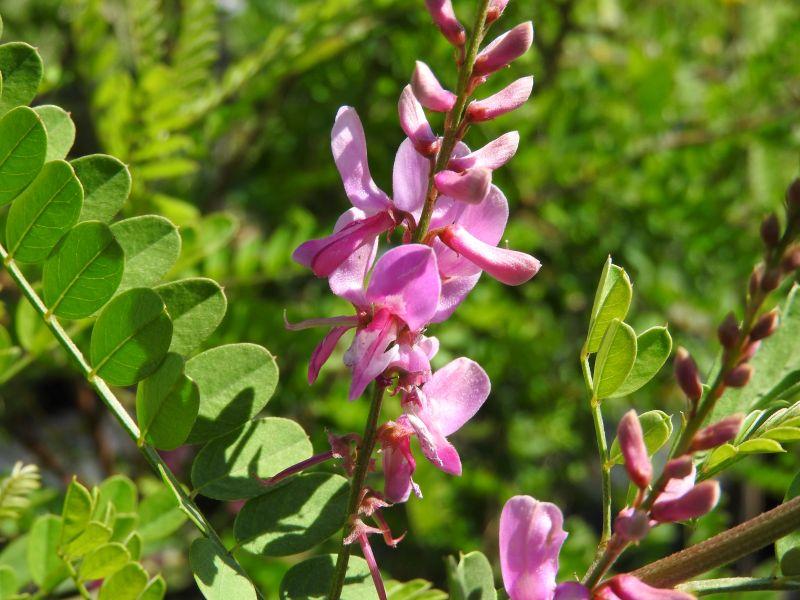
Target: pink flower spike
(531,536)
(470,186)
(508,266)
(634,450)
(504,49)
(717,434)
(572,590)
(445,19)
(698,501)
(415,123)
(429,91)
(628,587)
(492,156)
(509,98)
(366,550)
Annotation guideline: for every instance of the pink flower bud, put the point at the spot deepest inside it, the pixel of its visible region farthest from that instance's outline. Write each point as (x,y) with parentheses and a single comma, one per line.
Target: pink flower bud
(445,19)
(765,326)
(429,91)
(771,230)
(632,524)
(693,504)
(509,98)
(504,49)
(496,8)
(687,375)
(628,587)
(791,260)
(717,434)
(634,450)
(415,124)
(750,351)
(470,186)
(678,468)
(771,280)
(728,331)
(508,266)
(739,376)
(492,156)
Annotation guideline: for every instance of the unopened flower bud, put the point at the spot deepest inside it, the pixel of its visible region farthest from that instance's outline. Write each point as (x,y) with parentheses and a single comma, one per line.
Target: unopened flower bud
(687,375)
(793,198)
(765,326)
(771,231)
(771,280)
(415,124)
(698,501)
(470,186)
(504,49)
(429,91)
(739,376)
(749,351)
(445,19)
(632,524)
(496,8)
(719,433)
(678,468)
(755,280)
(634,450)
(509,98)
(728,331)
(791,260)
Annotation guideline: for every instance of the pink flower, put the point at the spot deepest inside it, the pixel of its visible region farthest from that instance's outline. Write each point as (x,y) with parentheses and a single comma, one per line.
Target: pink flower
(717,434)
(634,450)
(415,124)
(628,587)
(433,411)
(504,49)
(471,185)
(632,524)
(492,156)
(429,91)
(373,212)
(509,98)
(445,19)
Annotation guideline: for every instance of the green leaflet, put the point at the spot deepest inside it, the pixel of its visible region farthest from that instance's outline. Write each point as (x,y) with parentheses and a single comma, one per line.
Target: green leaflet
(130,337)
(657,429)
(9,584)
(151,244)
(216,574)
(293,517)
(21,67)
(59,128)
(45,565)
(106,184)
(196,306)
(416,589)
(652,351)
(83,272)
(23,146)
(156,589)
(311,579)
(76,512)
(126,584)
(93,536)
(227,467)
(471,578)
(612,300)
(159,515)
(167,404)
(119,491)
(615,358)
(236,381)
(104,561)
(44,212)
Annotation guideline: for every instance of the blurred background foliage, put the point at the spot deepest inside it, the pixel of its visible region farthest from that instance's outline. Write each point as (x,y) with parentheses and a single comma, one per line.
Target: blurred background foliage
(659,132)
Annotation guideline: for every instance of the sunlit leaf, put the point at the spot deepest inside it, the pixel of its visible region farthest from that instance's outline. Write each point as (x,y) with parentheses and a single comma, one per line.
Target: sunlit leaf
(159,516)
(615,358)
(104,561)
(612,300)
(196,307)
(787,549)
(151,246)
(126,584)
(652,351)
(471,578)
(60,130)
(657,429)
(76,512)
(46,567)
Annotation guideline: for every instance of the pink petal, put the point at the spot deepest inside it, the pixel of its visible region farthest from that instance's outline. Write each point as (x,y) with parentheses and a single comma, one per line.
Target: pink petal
(410,179)
(349,147)
(323,352)
(677,486)
(415,123)
(429,91)
(456,392)
(717,434)
(634,450)
(413,362)
(504,49)
(347,280)
(398,467)
(368,356)
(572,590)
(492,156)
(508,266)
(406,281)
(470,186)
(628,587)
(454,292)
(509,98)
(435,446)
(698,501)
(445,18)
(531,535)
(496,8)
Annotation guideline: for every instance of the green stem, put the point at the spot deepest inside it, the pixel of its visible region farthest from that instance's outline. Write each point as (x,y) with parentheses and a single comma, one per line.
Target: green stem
(73,574)
(739,584)
(454,119)
(723,548)
(114,405)
(364,457)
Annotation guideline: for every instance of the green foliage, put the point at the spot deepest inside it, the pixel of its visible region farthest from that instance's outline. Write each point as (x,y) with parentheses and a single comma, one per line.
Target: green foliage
(611,301)
(16,488)
(197,307)
(653,348)
(787,549)
(59,128)
(106,184)
(416,589)
(151,246)
(23,146)
(45,564)
(310,580)
(218,576)
(471,577)
(21,67)
(615,358)
(657,429)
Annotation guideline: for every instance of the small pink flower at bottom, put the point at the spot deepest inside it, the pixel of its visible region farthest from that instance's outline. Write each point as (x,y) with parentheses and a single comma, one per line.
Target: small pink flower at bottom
(628,587)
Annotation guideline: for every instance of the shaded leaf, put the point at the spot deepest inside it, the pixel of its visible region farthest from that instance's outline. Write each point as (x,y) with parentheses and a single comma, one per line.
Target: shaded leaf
(787,549)
(653,348)
(217,574)
(471,578)
(46,567)
(151,246)
(196,306)
(59,128)
(657,429)
(160,516)
(21,67)
(156,589)
(23,146)
(311,579)
(106,184)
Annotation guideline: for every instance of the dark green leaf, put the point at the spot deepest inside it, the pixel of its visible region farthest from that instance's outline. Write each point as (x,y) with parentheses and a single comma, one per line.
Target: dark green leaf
(471,578)
(59,128)
(23,146)
(217,574)
(21,67)
(151,246)
(46,567)
(311,579)
(130,337)
(615,358)
(652,351)
(106,184)
(196,306)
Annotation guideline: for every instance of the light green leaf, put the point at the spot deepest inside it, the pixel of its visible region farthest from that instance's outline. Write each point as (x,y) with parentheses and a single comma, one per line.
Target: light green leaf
(720,455)
(119,491)
(83,272)
(210,235)
(615,358)
(416,589)
(126,584)
(23,146)
(9,584)
(93,536)
(760,446)
(46,567)
(652,351)
(217,574)
(76,512)
(196,306)
(787,549)
(106,184)
(151,246)
(104,561)
(167,404)
(44,212)
(130,337)
(293,517)
(160,516)
(612,300)
(59,128)
(227,467)
(32,332)
(783,434)
(134,545)
(657,429)
(311,579)
(167,169)
(236,381)
(471,578)
(156,589)
(21,67)
(124,524)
